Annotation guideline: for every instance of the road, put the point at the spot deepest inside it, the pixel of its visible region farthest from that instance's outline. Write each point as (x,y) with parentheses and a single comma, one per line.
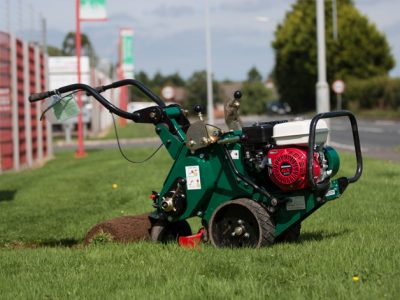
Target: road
(379,139)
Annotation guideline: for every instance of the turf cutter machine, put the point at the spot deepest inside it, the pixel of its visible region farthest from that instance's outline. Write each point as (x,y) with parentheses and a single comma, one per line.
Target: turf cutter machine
(250,186)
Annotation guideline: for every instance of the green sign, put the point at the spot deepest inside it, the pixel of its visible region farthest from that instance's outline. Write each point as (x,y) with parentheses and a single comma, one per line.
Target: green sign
(127,59)
(127,49)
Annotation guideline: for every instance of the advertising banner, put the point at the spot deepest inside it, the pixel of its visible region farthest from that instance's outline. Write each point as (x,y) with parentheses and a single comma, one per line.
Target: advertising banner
(127,59)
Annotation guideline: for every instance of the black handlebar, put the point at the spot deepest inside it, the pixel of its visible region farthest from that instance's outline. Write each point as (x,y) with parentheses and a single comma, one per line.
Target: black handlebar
(95,92)
(39,96)
(91,91)
(356,139)
(153,114)
(138,85)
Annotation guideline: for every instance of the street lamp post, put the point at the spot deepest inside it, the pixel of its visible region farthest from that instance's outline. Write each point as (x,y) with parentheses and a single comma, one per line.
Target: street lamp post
(210,105)
(81,148)
(334,21)
(322,85)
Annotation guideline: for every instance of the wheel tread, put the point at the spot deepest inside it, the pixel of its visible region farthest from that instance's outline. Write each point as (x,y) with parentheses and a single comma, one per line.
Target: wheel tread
(265,222)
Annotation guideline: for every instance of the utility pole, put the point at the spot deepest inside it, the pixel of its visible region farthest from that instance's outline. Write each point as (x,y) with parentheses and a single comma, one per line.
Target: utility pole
(80,152)
(44,34)
(8,12)
(210,105)
(322,86)
(334,20)
(20,18)
(32,21)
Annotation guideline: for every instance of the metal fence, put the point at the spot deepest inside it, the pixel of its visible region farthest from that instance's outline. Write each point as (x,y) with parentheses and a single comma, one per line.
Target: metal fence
(25,141)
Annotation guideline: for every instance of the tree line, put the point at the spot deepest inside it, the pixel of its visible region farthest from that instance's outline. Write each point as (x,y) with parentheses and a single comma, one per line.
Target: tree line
(255,93)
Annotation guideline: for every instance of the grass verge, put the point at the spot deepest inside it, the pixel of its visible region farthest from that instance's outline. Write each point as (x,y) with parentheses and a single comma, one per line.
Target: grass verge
(45,213)
(379,114)
(130,131)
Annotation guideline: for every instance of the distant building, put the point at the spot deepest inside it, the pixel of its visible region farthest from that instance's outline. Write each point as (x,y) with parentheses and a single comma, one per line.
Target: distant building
(228,89)
(269,84)
(62,71)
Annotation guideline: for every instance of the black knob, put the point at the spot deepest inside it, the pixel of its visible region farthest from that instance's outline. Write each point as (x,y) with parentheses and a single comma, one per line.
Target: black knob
(237,95)
(198,108)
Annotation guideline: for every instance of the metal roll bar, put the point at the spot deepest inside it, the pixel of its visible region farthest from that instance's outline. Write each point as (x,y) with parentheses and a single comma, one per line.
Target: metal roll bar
(311,142)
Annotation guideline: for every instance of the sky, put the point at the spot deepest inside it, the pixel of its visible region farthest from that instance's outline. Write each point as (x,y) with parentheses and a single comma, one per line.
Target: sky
(170,35)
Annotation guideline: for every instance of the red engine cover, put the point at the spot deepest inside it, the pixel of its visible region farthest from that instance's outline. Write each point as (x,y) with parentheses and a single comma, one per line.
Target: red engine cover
(289,168)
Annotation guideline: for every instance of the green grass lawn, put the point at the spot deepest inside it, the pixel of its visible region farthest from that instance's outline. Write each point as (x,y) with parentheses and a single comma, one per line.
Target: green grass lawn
(130,131)
(45,213)
(379,114)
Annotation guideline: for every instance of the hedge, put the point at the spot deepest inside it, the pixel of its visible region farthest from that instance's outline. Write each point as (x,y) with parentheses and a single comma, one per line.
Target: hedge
(378,92)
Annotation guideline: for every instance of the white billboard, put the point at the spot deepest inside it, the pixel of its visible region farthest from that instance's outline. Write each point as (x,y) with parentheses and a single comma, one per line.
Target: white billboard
(63,69)
(93,10)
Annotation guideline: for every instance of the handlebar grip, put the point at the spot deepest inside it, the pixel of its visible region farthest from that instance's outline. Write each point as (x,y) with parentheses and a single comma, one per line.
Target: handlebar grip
(40,96)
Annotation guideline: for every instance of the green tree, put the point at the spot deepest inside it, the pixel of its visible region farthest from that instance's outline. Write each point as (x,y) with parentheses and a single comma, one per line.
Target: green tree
(254,75)
(360,52)
(135,93)
(174,79)
(156,83)
(54,51)
(255,97)
(143,78)
(158,79)
(197,90)
(69,48)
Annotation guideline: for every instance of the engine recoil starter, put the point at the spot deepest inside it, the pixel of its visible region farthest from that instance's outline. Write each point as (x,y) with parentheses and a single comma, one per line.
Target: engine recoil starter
(288,168)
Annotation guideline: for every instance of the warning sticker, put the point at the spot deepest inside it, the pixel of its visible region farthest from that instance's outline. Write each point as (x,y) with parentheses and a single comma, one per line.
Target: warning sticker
(234,154)
(330,193)
(193,177)
(296,203)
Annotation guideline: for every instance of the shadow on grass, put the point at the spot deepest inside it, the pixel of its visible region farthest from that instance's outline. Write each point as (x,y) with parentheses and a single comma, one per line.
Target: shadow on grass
(7,195)
(321,235)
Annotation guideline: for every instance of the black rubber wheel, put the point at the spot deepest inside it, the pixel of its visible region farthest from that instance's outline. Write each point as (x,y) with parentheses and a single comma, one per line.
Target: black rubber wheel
(241,223)
(291,235)
(166,232)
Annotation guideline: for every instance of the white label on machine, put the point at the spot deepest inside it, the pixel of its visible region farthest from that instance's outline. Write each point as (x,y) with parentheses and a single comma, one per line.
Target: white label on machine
(330,193)
(296,203)
(193,177)
(234,154)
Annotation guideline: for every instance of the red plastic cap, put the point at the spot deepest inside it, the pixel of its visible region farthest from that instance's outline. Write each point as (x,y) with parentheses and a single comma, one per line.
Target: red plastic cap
(191,241)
